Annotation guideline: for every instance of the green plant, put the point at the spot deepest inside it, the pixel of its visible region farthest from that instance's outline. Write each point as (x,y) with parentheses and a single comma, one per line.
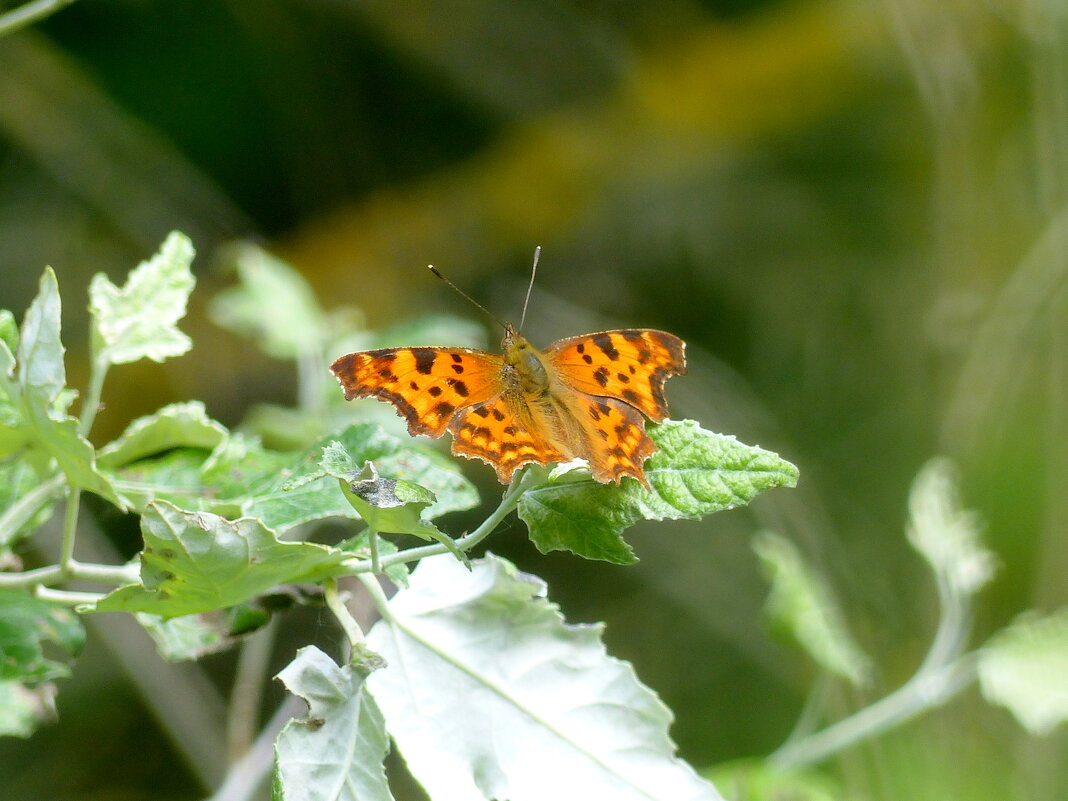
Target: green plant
(463,646)
(470,670)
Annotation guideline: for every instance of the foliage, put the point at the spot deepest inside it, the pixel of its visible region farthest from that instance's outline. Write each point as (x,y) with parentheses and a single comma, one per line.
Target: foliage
(227,522)
(471,672)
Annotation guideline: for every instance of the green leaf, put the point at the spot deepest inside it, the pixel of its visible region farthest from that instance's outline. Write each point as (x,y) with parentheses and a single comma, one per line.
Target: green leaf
(693,473)
(544,712)
(273,306)
(946,534)
(175,477)
(23,709)
(17,480)
(188,636)
(41,374)
(9,339)
(336,752)
(41,378)
(140,320)
(26,625)
(180,425)
(391,506)
(197,561)
(283,490)
(302,492)
(1025,668)
(801,607)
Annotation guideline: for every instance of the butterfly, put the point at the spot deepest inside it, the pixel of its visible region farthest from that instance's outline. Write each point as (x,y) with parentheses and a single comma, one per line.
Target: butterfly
(585,397)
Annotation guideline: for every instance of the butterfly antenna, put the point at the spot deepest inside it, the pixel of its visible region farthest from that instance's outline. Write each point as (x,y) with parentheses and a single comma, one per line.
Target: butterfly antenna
(489,314)
(533,272)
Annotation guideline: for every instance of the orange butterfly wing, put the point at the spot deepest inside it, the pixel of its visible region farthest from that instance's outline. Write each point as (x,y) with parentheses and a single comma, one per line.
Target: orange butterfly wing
(631,364)
(617,377)
(505,433)
(426,385)
(601,388)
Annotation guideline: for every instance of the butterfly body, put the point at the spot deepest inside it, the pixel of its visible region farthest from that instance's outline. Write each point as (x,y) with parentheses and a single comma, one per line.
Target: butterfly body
(586,397)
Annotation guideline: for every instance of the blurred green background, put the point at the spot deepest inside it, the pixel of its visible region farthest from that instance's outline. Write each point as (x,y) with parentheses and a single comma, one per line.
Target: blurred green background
(854,213)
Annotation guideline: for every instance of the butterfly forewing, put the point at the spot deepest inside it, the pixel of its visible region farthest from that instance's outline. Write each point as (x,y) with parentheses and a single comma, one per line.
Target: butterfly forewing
(426,385)
(630,364)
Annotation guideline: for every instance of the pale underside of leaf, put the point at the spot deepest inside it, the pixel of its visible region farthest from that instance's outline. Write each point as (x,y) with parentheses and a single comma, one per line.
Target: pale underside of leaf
(486,686)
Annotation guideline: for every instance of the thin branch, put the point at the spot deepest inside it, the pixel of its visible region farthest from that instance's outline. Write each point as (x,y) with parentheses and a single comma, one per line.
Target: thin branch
(67,597)
(246,695)
(40,576)
(348,623)
(70,530)
(244,779)
(924,690)
(29,14)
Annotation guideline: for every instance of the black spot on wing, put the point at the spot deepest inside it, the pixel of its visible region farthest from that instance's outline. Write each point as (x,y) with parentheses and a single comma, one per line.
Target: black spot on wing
(424,360)
(604,342)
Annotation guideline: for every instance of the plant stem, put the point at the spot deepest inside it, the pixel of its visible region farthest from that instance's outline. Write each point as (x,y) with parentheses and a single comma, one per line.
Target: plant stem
(372,541)
(253,662)
(352,629)
(41,576)
(105,574)
(66,597)
(70,530)
(942,674)
(81,571)
(374,589)
(507,505)
(243,779)
(29,14)
(924,690)
(91,401)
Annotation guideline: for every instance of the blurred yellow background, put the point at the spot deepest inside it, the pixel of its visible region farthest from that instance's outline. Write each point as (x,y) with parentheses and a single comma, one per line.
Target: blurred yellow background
(854,213)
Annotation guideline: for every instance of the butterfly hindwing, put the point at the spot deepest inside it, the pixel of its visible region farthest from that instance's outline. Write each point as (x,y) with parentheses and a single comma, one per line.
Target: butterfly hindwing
(426,385)
(629,364)
(502,435)
(619,445)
